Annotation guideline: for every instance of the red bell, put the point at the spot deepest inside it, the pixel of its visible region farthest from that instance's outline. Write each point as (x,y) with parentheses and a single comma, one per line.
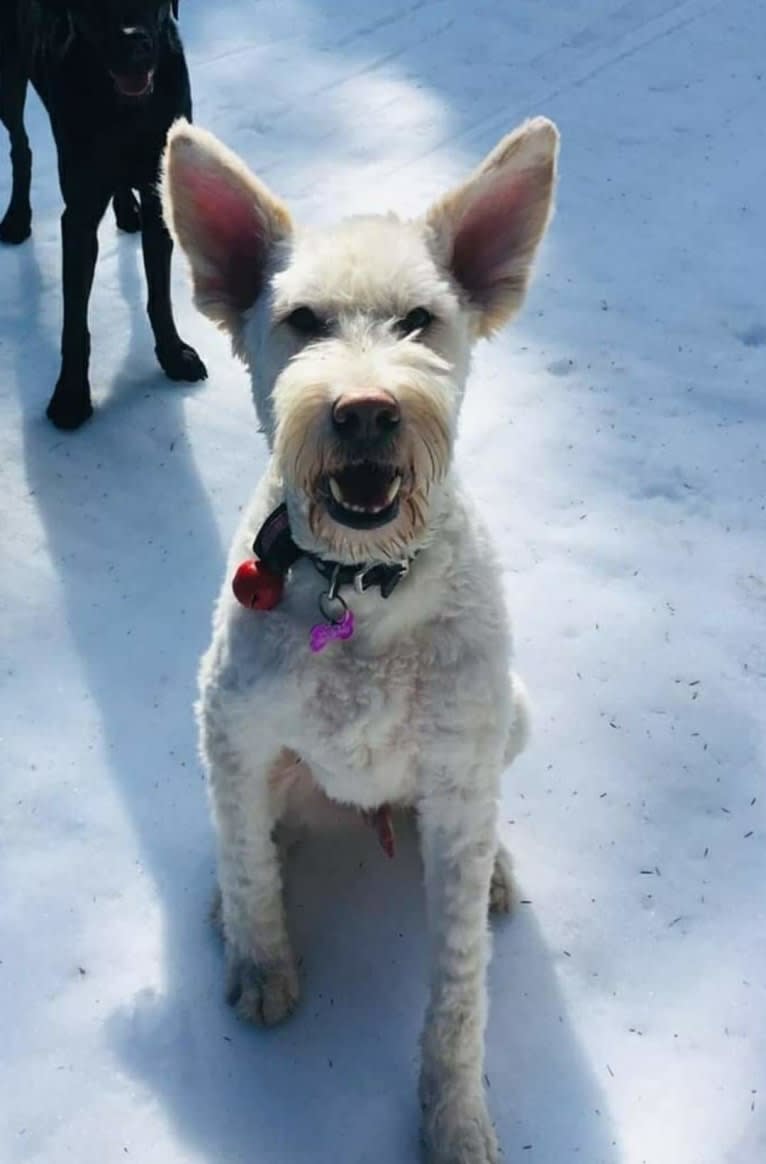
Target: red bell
(256,587)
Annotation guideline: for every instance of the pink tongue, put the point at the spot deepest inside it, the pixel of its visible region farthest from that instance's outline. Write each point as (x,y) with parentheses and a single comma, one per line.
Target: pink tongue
(133,85)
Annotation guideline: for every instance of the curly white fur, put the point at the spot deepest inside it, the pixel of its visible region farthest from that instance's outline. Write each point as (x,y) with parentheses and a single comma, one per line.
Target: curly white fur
(417,708)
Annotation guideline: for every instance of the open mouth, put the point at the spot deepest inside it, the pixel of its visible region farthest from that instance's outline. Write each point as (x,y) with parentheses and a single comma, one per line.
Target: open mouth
(134,84)
(364,496)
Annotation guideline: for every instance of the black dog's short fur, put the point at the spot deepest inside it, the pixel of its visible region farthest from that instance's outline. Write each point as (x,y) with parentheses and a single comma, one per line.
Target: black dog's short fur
(113,78)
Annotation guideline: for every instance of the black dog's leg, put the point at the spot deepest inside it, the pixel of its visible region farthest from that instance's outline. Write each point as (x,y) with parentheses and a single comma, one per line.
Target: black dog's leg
(127,212)
(177,360)
(17,223)
(70,404)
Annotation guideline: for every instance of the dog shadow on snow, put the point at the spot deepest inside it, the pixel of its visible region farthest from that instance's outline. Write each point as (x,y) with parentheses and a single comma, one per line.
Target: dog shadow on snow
(338,1082)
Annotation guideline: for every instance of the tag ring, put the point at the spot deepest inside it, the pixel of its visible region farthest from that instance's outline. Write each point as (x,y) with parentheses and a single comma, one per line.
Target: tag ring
(332,607)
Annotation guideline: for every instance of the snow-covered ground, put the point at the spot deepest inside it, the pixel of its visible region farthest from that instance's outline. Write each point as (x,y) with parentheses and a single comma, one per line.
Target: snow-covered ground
(615,438)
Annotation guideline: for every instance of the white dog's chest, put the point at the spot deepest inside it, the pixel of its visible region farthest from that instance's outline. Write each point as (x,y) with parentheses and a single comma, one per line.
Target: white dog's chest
(423,676)
(352,713)
(359,726)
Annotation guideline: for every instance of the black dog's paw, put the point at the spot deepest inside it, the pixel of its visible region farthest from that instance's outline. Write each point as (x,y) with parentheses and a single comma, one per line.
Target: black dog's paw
(16,227)
(69,406)
(127,212)
(181,362)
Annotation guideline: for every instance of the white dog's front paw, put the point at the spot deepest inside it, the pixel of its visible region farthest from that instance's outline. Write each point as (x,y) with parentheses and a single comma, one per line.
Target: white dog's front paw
(265,994)
(459,1132)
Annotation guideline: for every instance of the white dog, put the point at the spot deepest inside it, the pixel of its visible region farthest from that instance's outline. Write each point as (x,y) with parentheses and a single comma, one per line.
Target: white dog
(375,665)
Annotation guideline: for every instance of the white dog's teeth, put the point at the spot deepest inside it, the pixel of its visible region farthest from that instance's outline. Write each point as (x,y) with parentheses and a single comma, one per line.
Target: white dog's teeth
(393,490)
(391,494)
(336,490)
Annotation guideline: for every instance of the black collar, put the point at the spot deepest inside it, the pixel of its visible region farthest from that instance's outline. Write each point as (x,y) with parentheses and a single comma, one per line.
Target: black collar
(274,546)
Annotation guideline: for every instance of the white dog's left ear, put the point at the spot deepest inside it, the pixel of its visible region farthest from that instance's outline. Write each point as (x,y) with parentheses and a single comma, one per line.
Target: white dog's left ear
(487,230)
(224,218)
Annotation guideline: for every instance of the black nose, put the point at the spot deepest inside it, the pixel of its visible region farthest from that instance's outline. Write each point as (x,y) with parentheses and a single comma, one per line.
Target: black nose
(365,418)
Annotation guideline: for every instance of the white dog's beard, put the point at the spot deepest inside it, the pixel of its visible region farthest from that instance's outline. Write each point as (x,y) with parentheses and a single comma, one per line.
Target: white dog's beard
(364,493)
(390,540)
(363,508)
(363,511)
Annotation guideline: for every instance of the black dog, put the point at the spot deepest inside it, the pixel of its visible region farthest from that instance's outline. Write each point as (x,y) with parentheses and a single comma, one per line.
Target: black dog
(113,78)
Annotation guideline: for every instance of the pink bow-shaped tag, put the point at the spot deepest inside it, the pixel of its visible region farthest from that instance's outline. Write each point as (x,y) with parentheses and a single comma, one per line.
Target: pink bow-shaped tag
(325,632)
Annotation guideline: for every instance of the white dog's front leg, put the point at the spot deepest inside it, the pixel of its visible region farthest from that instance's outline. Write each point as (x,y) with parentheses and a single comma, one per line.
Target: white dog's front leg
(262,981)
(459,845)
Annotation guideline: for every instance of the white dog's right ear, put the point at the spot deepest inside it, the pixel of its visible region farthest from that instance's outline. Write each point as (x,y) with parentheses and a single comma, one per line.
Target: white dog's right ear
(225,220)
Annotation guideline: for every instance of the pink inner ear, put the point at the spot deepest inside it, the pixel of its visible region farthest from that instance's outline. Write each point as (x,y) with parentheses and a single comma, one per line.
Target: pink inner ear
(230,233)
(494,233)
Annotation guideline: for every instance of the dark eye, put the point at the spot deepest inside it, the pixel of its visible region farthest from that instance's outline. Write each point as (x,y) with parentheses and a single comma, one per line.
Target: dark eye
(306,322)
(416,320)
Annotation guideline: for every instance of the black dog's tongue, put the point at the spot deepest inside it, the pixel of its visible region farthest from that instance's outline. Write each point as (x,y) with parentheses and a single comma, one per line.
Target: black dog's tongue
(133,84)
